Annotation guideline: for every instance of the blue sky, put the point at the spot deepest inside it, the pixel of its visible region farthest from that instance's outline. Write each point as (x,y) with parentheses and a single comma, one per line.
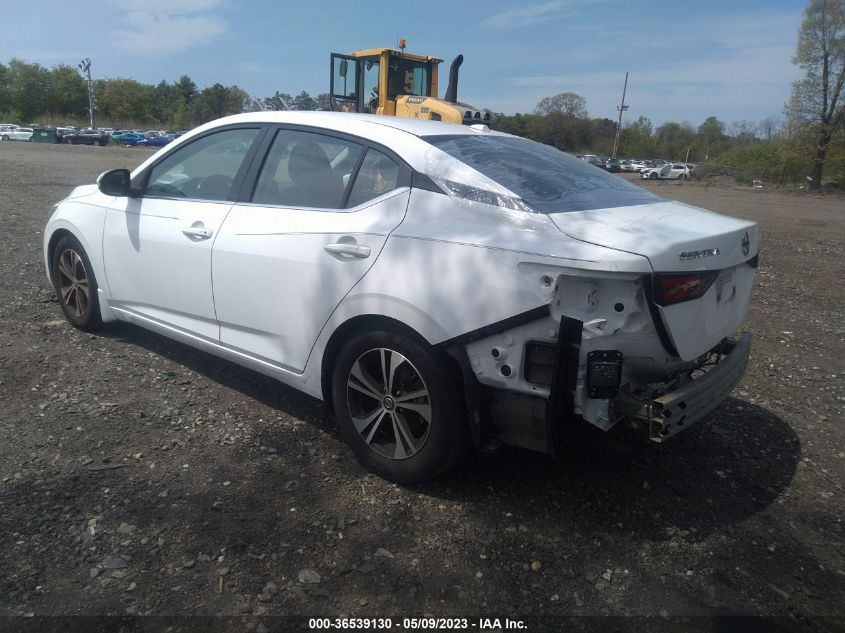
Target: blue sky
(687,60)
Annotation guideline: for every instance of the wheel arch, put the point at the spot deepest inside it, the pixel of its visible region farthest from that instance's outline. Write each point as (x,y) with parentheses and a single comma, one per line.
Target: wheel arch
(51,247)
(362,323)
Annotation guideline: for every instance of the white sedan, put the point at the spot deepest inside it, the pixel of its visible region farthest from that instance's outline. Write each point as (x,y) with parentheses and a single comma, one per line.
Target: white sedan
(669,171)
(443,286)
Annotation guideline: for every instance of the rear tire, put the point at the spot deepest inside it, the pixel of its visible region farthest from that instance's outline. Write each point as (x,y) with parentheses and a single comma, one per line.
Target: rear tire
(399,406)
(75,284)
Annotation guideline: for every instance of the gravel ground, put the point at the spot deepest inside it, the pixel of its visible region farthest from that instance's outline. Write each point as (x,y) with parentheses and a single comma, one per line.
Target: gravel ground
(138,476)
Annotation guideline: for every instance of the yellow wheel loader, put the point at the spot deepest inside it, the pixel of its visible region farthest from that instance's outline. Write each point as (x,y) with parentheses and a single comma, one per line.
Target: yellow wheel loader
(395,83)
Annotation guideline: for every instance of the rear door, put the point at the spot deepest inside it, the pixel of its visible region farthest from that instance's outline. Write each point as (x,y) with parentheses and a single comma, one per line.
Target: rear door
(309,230)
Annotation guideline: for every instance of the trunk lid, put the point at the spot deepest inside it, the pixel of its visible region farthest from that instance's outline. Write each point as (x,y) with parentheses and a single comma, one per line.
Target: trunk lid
(679,238)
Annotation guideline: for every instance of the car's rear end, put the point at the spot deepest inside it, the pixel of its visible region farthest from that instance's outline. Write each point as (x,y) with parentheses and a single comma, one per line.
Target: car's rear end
(696,299)
(651,341)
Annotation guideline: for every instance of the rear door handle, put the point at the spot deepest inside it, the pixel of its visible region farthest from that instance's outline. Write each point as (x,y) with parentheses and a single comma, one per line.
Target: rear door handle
(353,250)
(197,232)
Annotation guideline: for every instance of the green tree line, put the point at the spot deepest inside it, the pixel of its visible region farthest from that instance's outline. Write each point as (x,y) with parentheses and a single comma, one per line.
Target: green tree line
(31,93)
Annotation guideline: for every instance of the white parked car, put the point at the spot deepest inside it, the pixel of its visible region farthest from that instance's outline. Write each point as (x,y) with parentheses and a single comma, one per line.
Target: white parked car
(441,285)
(593,160)
(637,165)
(669,171)
(17,134)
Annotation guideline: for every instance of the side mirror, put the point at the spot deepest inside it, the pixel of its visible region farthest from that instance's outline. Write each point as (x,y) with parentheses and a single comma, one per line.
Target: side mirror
(344,68)
(115,182)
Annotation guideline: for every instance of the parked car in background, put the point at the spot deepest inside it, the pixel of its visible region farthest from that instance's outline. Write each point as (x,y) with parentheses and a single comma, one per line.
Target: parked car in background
(128,138)
(63,131)
(625,165)
(17,134)
(592,159)
(88,136)
(5,128)
(555,294)
(613,165)
(669,171)
(155,140)
(636,164)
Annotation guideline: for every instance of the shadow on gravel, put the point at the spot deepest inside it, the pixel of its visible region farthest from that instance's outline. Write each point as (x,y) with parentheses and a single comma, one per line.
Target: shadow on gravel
(250,383)
(727,468)
(283,513)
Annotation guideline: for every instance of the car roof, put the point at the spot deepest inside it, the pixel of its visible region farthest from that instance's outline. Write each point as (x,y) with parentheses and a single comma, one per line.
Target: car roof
(340,121)
(403,136)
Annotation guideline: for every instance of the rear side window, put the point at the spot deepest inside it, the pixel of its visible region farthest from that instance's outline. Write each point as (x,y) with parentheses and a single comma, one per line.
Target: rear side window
(548,180)
(378,175)
(305,169)
(204,169)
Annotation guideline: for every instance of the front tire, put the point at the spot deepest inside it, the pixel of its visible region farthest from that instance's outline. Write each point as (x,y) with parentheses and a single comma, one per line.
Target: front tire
(75,284)
(398,406)
(652,176)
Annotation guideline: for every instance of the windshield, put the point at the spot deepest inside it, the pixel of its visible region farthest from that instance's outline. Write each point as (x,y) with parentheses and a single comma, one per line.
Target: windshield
(548,180)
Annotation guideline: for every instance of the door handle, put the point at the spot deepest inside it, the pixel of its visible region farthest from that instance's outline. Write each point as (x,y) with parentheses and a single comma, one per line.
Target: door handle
(197,232)
(353,250)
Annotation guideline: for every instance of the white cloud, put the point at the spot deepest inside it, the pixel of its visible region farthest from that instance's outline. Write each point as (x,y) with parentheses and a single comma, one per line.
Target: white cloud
(526,15)
(170,26)
(170,7)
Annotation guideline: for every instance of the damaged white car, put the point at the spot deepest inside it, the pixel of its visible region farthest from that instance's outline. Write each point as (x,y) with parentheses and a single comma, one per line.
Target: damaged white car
(441,285)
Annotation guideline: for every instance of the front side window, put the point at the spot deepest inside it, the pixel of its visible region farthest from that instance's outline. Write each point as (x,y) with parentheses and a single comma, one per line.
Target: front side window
(204,169)
(305,169)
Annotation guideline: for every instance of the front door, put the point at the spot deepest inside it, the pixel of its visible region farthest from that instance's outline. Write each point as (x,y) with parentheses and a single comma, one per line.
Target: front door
(157,245)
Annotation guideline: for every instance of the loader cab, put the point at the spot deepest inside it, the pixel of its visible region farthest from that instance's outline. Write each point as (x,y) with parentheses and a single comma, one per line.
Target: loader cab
(372,81)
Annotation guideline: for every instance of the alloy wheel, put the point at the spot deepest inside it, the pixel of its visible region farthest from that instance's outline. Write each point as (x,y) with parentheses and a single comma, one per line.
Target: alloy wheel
(73,283)
(389,403)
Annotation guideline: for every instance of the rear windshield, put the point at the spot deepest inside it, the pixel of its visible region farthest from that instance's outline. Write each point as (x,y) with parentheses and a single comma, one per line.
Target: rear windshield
(549,180)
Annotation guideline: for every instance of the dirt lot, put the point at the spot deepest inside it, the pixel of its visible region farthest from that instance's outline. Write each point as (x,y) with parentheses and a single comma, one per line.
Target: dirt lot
(138,476)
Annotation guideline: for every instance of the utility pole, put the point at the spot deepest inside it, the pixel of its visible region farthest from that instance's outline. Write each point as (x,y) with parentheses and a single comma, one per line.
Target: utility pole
(85,68)
(621,109)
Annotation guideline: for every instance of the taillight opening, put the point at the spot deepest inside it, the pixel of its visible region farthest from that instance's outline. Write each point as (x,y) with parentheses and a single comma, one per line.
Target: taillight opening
(670,289)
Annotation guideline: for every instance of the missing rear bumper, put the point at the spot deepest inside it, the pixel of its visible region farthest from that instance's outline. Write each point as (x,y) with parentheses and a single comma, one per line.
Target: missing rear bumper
(679,409)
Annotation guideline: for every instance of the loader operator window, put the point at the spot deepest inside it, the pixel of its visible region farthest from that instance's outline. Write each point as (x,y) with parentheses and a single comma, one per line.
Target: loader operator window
(407,77)
(371,79)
